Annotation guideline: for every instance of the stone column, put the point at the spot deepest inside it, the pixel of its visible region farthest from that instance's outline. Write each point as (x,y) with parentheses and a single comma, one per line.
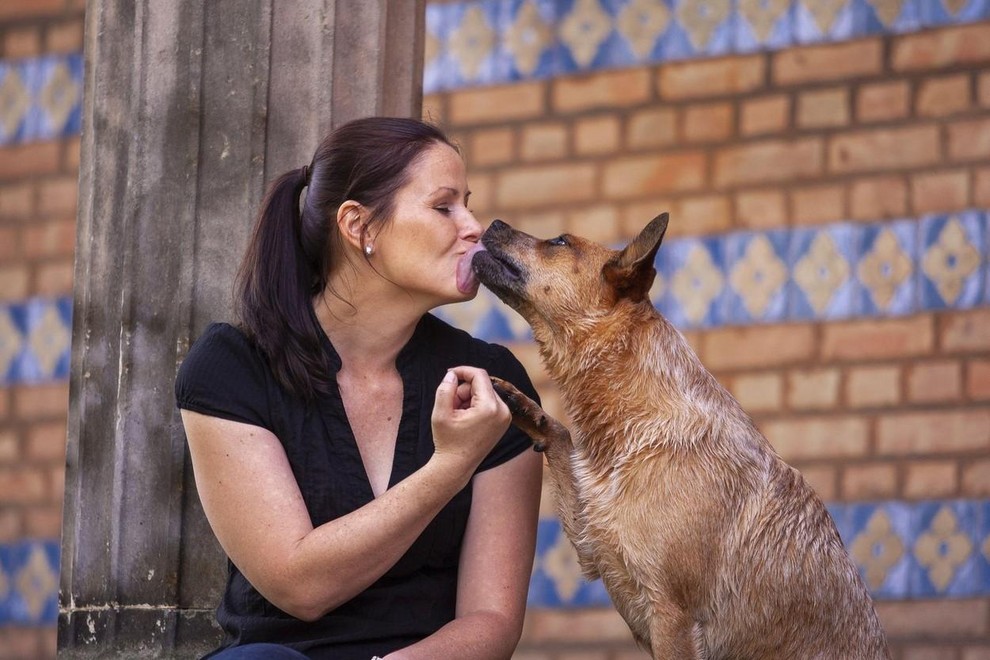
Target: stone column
(190,108)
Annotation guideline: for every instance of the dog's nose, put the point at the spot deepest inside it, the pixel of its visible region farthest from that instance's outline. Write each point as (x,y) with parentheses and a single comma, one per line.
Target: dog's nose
(498,225)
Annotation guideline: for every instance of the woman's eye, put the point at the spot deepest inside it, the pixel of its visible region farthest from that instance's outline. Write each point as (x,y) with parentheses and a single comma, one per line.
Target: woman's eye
(443,209)
(560,240)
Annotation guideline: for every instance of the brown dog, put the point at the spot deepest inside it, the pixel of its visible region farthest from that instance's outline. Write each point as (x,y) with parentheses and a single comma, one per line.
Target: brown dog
(709,545)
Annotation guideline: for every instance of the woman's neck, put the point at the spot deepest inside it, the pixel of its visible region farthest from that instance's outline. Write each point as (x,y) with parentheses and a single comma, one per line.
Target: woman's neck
(366,331)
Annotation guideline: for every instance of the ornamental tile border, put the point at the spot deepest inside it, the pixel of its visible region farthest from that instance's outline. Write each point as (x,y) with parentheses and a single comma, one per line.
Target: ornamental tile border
(487,42)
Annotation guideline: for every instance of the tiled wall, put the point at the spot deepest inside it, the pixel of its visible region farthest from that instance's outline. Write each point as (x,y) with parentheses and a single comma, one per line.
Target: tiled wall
(824,272)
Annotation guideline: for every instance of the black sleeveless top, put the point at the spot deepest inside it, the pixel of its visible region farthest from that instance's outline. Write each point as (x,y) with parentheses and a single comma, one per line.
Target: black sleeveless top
(225,375)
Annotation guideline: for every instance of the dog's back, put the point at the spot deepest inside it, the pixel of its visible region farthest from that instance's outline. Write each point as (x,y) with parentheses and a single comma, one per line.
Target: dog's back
(708,543)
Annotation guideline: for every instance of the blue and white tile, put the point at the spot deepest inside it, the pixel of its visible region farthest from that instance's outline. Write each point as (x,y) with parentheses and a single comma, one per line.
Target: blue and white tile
(886,270)
(891,16)
(763,25)
(937,13)
(817,21)
(879,541)
(693,270)
(822,265)
(756,276)
(702,28)
(951,260)
(944,550)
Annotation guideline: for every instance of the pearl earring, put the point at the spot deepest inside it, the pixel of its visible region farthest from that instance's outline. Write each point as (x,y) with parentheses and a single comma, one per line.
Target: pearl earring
(368,249)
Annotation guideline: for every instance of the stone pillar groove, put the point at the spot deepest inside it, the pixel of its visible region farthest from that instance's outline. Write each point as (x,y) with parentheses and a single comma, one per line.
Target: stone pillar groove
(190,108)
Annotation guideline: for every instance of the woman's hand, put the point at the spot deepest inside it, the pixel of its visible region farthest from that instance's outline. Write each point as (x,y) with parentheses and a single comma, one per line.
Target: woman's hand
(468,416)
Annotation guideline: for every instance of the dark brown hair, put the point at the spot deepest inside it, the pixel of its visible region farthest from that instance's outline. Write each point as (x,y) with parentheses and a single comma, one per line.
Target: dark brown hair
(291,252)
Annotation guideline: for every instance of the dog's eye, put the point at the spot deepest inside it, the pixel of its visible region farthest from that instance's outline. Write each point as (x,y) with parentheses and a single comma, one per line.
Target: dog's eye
(560,241)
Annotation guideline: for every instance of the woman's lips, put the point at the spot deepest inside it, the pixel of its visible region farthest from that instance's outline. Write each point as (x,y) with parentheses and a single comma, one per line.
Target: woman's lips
(466,279)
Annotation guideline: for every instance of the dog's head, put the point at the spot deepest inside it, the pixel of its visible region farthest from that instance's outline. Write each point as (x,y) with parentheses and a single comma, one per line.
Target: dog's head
(560,282)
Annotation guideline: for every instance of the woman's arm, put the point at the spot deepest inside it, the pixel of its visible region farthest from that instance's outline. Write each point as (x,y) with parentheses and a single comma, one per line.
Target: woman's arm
(496,566)
(257,512)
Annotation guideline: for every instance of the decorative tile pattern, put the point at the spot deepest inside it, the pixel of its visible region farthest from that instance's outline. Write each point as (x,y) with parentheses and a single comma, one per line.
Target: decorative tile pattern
(29,583)
(483,42)
(838,271)
(932,549)
(40,98)
(35,338)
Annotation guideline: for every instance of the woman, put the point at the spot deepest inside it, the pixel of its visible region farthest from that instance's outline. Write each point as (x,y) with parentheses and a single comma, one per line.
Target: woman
(349,451)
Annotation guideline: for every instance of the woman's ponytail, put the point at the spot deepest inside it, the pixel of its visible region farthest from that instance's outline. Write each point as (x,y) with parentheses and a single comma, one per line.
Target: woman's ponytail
(276,285)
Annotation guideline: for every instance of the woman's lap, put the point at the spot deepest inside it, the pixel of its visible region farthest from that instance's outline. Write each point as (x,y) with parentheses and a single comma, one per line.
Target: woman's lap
(260,651)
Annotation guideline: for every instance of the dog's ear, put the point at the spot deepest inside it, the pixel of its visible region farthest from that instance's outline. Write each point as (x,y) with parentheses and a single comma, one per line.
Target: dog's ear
(630,273)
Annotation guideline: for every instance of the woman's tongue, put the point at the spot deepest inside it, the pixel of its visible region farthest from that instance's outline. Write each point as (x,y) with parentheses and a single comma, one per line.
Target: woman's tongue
(467,282)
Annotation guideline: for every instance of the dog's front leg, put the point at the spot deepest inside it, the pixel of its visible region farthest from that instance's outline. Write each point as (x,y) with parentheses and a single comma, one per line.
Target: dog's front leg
(552,437)
(672,634)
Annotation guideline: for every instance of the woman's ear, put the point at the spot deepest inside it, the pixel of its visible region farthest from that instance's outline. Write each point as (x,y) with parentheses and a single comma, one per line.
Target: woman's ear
(351,222)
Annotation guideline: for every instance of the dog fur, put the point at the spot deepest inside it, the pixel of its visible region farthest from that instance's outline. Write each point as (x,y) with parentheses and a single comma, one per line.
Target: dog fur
(708,543)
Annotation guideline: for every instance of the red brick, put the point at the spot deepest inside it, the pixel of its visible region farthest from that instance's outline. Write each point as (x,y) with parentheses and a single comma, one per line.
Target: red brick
(20,643)
(965,331)
(869,387)
(14,282)
(929,382)
(709,123)
(635,215)
(482,194)
(841,61)
(761,209)
(823,108)
(22,484)
(818,204)
(10,447)
(978,379)
(883,149)
(939,652)
(936,49)
(815,389)
(635,176)
(714,77)
(608,89)
(41,401)
(8,243)
(704,214)
(598,223)
(940,191)
(754,347)
(869,481)
(934,619)
(883,101)
(433,108)
(969,140)
(939,432)
(577,626)
(768,162)
(491,147)
(886,338)
(758,392)
(31,159)
(65,37)
(19,9)
(521,187)
(54,278)
(805,438)
(21,43)
(981,652)
(496,104)
(878,198)
(597,135)
(655,127)
(71,153)
(54,238)
(943,96)
(822,479)
(543,141)
(981,188)
(17,200)
(11,529)
(976,478)
(931,479)
(768,114)
(44,521)
(46,441)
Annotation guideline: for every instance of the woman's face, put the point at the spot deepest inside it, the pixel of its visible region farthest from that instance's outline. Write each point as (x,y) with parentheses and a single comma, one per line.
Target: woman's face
(430,230)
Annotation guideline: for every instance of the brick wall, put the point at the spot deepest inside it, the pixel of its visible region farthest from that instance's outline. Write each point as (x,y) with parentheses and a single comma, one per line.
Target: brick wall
(38,180)
(873,408)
